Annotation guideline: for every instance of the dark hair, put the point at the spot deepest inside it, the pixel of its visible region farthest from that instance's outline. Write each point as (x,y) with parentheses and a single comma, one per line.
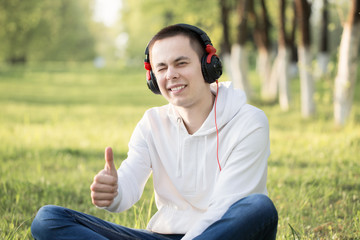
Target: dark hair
(196,42)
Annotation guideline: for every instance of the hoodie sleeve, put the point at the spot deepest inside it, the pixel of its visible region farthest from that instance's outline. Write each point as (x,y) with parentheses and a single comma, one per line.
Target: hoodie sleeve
(133,172)
(244,173)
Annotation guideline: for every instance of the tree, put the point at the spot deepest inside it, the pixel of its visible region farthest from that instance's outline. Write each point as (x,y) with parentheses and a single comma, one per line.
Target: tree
(347,65)
(64,32)
(323,55)
(225,44)
(18,21)
(239,59)
(137,12)
(45,30)
(283,61)
(293,68)
(262,40)
(279,78)
(306,80)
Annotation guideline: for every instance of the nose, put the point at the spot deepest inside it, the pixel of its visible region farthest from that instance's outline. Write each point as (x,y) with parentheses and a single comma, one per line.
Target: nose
(171,73)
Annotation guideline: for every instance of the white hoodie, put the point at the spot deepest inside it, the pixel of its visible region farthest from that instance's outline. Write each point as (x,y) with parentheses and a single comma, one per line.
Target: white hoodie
(190,191)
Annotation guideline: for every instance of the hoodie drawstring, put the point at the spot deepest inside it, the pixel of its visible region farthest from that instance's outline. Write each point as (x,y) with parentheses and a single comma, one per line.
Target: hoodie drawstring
(178,169)
(217,130)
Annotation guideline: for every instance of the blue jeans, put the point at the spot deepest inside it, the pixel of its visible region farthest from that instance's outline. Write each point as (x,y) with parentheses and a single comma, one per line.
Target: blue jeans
(253,217)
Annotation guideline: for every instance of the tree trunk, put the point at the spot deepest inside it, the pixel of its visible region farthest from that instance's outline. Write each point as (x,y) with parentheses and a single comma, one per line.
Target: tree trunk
(284,83)
(225,44)
(239,67)
(323,55)
(347,65)
(239,59)
(293,68)
(306,82)
(306,79)
(279,78)
(262,40)
(269,91)
(264,70)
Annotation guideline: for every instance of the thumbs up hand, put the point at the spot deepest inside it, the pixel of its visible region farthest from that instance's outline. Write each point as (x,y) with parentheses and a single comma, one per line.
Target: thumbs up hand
(104,187)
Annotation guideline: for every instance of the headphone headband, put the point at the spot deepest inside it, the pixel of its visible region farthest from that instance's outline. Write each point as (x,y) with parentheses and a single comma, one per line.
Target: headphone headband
(204,37)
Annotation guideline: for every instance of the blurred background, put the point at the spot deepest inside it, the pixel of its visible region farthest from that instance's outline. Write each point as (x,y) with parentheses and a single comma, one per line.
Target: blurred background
(274,37)
(72,82)
(118,30)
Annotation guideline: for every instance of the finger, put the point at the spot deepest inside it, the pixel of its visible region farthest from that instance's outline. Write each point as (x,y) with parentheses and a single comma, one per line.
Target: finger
(102,203)
(109,161)
(103,178)
(103,188)
(103,196)
(102,200)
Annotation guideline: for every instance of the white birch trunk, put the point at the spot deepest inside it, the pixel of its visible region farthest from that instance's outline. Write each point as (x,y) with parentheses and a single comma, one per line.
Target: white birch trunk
(347,70)
(239,68)
(306,82)
(283,78)
(264,69)
(270,91)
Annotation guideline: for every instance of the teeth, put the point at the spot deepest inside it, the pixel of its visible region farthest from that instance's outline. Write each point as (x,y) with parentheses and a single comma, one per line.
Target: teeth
(177,88)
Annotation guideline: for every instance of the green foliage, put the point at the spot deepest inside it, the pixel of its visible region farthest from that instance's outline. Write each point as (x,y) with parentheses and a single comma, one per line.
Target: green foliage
(46,30)
(57,120)
(142,19)
(18,20)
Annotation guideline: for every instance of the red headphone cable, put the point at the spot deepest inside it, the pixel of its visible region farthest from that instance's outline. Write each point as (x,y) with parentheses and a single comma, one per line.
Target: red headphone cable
(217,131)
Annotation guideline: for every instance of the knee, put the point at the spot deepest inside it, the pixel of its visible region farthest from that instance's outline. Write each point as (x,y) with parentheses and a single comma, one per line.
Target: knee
(46,219)
(264,206)
(260,212)
(255,207)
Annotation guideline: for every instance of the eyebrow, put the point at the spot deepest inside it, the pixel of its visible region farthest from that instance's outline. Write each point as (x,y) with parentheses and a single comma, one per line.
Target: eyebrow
(161,64)
(181,58)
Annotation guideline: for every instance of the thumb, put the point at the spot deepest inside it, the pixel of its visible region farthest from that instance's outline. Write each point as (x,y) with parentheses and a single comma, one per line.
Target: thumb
(109,161)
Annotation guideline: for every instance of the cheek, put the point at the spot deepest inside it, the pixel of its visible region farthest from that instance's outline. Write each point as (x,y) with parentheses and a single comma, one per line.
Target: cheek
(161,82)
(194,72)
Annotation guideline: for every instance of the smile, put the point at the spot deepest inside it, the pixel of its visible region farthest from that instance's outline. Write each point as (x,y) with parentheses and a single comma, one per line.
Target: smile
(175,89)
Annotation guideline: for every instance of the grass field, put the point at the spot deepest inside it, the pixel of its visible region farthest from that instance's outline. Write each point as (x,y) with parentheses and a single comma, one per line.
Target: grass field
(56,120)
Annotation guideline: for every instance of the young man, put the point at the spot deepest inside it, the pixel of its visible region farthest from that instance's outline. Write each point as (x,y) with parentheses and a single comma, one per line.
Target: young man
(207,151)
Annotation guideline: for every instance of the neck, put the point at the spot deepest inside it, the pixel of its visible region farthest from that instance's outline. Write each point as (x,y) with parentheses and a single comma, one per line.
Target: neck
(194,117)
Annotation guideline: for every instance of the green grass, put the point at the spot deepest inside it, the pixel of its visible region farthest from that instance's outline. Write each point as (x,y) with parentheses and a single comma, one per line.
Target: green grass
(57,119)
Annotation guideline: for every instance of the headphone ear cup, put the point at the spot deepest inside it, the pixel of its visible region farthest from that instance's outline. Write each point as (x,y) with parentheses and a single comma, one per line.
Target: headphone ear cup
(152,83)
(213,70)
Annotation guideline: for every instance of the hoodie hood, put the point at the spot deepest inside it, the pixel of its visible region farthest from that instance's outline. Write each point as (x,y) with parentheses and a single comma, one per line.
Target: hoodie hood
(228,104)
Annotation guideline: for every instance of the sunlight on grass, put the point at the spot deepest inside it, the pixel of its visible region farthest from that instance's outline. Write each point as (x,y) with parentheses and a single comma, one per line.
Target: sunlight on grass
(57,119)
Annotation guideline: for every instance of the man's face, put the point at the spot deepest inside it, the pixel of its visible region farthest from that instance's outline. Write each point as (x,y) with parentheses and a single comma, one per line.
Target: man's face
(177,69)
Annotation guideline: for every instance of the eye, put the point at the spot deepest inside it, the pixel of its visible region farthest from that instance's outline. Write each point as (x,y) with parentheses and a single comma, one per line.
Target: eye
(161,69)
(182,63)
